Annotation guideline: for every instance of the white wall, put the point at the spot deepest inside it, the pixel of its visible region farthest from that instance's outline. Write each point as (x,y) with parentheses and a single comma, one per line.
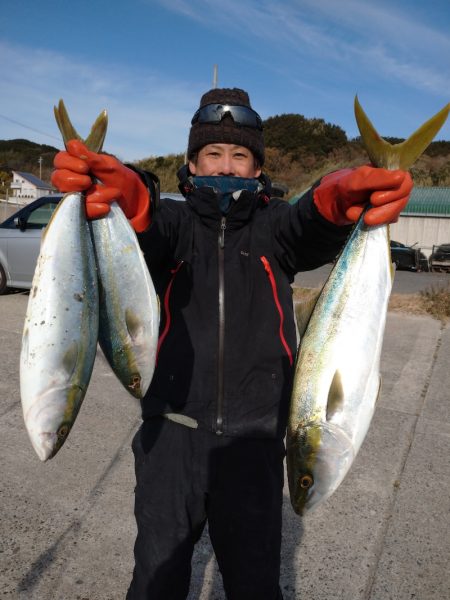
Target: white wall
(426,231)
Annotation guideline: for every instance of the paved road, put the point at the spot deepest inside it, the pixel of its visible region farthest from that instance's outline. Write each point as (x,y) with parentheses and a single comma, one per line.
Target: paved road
(67,527)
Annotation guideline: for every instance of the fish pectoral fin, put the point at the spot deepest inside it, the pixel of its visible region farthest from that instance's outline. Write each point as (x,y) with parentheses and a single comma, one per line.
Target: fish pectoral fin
(335,396)
(397,156)
(304,310)
(133,323)
(70,359)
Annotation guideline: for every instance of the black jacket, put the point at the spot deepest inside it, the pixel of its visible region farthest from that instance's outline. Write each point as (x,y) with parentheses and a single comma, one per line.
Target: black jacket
(227,336)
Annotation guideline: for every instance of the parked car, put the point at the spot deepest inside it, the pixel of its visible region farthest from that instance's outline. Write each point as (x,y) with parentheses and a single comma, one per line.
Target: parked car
(440,258)
(408,258)
(20,240)
(172,196)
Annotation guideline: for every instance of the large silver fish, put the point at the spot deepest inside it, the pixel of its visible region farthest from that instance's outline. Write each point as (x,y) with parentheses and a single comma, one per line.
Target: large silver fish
(60,332)
(337,379)
(129,308)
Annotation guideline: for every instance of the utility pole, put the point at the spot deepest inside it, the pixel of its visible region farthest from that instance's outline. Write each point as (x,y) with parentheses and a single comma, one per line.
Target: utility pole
(215,76)
(40,167)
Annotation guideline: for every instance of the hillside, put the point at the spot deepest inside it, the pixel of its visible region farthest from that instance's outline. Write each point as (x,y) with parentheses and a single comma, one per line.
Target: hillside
(298,151)
(23,155)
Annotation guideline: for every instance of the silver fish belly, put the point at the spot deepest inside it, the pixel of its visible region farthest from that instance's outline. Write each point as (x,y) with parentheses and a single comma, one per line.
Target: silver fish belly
(129,309)
(337,376)
(60,331)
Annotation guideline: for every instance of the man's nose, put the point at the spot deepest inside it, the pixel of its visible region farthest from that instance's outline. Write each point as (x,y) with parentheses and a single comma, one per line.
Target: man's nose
(226,166)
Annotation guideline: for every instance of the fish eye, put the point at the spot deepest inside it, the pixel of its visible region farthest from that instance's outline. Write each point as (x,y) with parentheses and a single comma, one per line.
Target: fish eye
(63,431)
(306,481)
(135,383)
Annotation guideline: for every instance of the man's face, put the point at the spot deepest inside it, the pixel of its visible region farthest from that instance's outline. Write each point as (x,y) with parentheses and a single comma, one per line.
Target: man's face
(225,159)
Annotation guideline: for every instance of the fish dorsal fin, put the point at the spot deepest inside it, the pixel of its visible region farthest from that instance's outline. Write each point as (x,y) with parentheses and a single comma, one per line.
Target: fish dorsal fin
(335,396)
(397,156)
(96,137)
(303,311)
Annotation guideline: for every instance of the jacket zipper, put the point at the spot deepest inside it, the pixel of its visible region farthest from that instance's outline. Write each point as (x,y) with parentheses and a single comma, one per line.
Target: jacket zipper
(167,314)
(273,284)
(220,369)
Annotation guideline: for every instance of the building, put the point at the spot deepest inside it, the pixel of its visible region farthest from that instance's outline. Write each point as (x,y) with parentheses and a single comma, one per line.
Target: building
(425,222)
(26,187)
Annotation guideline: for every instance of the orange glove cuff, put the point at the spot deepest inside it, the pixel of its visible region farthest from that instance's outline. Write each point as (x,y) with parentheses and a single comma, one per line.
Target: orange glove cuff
(327,198)
(141,220)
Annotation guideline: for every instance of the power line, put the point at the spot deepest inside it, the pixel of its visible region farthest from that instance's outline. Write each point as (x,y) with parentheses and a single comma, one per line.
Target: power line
(30,128)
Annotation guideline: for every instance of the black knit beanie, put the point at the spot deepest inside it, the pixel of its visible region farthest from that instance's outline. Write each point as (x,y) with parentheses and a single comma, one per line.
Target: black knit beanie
(226,131)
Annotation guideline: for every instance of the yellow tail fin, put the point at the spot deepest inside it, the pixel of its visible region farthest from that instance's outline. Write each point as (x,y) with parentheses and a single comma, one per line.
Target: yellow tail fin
(397,156)
(96,137)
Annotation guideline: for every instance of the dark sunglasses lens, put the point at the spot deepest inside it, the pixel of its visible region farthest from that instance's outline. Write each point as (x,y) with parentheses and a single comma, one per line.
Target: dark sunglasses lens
(245,116)
(214,113)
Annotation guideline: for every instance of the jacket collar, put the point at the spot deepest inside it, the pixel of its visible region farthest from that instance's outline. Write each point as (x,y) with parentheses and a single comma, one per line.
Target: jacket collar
(204,201)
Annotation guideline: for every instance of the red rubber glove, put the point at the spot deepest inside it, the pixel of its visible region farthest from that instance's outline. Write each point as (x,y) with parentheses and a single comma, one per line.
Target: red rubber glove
(74,170)
(342,196)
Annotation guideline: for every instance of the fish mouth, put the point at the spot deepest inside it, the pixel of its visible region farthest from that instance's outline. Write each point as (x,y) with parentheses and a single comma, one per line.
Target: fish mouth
(48,420)
(321,454)
(44,444)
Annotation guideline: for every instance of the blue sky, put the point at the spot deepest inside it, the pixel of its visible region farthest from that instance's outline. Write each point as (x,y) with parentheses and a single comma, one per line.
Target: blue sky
(149,61)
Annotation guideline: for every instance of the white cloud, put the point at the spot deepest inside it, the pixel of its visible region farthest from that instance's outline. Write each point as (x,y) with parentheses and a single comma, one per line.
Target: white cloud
(148,112)
(366,38)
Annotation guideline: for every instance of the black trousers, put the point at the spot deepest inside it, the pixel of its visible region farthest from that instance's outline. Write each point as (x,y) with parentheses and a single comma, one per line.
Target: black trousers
(186,477)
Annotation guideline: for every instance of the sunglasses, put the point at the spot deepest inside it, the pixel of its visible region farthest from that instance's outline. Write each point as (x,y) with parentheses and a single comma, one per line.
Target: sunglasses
(214,113)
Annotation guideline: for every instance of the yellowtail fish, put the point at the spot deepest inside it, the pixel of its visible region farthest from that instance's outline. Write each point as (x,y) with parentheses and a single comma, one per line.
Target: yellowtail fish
(129,308)
(337,374)
(60,333)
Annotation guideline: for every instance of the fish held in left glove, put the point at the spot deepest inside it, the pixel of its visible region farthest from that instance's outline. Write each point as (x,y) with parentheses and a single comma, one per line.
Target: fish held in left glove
(63,317)
(117,205)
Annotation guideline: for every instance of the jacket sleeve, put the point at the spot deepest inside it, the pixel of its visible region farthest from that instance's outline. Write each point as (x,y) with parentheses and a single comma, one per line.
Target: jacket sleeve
(168,240)
(160,243)
(303,239)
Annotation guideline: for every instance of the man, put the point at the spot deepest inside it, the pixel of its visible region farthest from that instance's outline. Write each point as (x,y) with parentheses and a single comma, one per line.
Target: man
(210,448)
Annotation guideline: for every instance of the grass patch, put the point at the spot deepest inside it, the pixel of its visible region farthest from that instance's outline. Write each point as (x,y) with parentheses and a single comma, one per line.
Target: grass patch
(434,301)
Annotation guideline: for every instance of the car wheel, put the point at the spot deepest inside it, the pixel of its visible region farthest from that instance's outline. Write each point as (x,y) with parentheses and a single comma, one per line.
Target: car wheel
(3,286)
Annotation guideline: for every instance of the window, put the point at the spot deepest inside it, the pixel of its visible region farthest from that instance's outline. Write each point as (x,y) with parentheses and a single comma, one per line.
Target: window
(41,216)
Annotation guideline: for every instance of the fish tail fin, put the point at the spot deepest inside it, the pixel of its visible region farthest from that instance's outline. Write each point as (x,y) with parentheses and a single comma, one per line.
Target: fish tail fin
(397,156)
(65,126)
(96,137)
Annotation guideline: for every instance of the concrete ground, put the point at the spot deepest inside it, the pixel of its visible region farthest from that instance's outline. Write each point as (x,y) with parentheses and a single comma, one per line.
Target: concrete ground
(67,526)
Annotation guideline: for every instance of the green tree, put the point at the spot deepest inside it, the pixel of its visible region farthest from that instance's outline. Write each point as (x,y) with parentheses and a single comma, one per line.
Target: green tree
(298,135)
